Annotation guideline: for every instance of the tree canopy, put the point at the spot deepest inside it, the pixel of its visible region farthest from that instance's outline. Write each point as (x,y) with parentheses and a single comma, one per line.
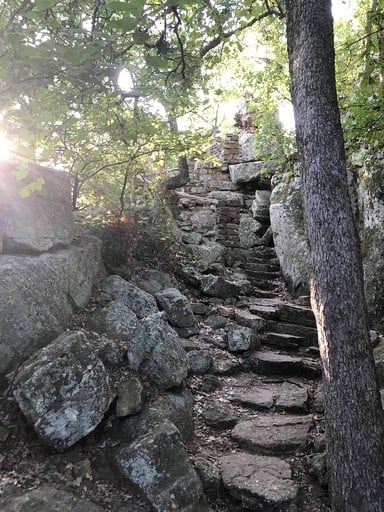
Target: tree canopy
(61,103)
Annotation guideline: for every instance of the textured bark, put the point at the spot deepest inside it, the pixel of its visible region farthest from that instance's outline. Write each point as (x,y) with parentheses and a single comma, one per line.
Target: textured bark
(354,417)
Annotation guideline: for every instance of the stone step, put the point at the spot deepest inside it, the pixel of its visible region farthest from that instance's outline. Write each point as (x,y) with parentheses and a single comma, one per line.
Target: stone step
(308,333)
(294,314)
(269,312)
(283,341)
(261,266)
(264,275)
(267,294)
(264,284)
(259,482)
(287,397)
(273,434)
(276,363)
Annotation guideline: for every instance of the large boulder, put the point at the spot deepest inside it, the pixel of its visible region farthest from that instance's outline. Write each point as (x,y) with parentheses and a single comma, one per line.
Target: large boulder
(64,390)
(38,294)
(217,286)
(140,302)
(38,221)
(288,233)
(370,192)
(204,220)
(158,465)
(156,350)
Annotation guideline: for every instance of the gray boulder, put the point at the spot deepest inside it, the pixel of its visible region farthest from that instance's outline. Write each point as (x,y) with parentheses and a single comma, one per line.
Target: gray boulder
(241,339)
(43,219)
(251,171)
(157,464)
(130,398)
(38,294)
(249,231)
(288,233)
(116,320)
(156,350)
(64,390)
(199,361)
(140,302)
(174,407)
(177,307)
(48,499)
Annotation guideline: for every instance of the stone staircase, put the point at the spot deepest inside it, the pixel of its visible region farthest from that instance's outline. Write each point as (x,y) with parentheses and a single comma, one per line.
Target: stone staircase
(264,406)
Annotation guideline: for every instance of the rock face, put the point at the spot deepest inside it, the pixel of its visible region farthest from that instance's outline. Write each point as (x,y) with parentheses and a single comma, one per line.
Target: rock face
(261,483)
(249,231)
(64,390)
(40,221)
(158,465)
(156,350)
(37,294)
(370,192)
(288,234)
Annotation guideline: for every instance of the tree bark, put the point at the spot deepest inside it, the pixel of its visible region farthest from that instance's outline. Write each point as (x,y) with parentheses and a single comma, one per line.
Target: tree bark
(354,416)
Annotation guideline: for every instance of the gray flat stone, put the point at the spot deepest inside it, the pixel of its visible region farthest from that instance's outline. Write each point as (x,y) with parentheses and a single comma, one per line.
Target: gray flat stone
(273,435)
(259,399)
(261,483)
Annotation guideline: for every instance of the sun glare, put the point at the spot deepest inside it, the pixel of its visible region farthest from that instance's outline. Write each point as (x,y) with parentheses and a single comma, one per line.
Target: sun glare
(124,80)
(343,9)
(5,148)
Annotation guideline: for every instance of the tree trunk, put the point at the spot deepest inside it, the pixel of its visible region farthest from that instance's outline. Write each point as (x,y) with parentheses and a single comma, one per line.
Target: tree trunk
(354,417)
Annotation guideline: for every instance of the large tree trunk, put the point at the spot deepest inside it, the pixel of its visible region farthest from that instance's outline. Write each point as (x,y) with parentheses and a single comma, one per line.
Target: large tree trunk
(354,417)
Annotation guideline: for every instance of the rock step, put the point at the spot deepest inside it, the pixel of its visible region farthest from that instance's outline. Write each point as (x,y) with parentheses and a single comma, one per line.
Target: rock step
(283,341)
(294,314)
(273,434)
(256,292)
(259,482)
(263,260)
(269,312)
(256,274)
(308,333)
(262,266)
(275,363)
(287,397)
(264,284)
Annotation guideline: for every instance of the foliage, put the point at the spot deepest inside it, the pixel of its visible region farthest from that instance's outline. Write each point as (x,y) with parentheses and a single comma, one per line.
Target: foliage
(137,237)
(60,102)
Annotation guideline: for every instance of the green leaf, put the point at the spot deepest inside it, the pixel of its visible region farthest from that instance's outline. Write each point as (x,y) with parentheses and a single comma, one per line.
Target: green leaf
(43,5)
(140,37)
(25,192)
(21,172)
(156,62)
(119,6)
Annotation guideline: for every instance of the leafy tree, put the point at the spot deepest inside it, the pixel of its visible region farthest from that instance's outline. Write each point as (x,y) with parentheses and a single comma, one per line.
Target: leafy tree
(354,417)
